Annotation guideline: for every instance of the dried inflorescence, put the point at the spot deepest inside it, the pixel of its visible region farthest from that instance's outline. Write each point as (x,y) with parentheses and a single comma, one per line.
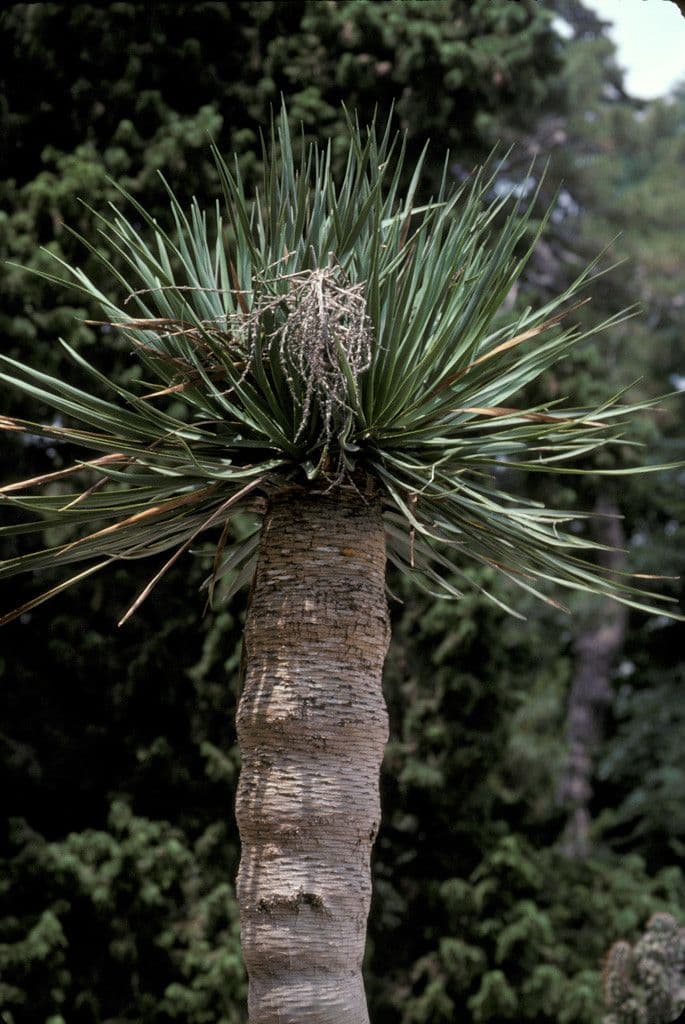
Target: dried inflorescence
(645,983)
(322,333)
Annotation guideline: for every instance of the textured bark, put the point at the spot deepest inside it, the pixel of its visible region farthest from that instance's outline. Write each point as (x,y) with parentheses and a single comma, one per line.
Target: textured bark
(591,692)
(312,728)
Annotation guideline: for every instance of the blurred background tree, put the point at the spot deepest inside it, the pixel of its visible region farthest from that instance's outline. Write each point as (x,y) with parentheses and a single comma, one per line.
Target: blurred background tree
(117,748)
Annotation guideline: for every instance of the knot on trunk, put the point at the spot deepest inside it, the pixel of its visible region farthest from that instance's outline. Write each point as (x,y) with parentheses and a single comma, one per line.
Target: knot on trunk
(297,901)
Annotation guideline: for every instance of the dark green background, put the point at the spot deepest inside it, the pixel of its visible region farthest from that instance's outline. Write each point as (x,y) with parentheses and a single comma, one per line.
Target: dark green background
(117,747)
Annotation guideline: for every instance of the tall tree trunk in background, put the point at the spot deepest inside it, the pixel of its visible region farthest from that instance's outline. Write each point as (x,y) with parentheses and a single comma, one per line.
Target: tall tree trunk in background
(312,728)
(591,691)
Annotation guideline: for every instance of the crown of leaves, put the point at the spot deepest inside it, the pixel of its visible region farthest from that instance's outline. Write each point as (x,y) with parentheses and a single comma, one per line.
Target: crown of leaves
(320,334)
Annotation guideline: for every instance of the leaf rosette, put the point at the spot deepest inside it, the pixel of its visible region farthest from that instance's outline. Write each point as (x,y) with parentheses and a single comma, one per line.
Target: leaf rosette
(322,334)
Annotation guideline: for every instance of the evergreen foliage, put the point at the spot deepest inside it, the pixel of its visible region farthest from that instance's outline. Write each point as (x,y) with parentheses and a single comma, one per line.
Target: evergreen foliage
(622,168)
(503,926)
(131,921)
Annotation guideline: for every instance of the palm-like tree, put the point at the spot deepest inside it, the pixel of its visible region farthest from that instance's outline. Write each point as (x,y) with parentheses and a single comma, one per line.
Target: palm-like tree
(335,363)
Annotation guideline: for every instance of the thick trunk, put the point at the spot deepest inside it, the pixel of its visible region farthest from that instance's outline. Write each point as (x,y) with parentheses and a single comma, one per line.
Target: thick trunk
(312,728)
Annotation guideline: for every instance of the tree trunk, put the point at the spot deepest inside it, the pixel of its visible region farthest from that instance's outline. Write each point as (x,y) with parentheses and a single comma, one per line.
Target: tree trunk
(591,691)
(312,727)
